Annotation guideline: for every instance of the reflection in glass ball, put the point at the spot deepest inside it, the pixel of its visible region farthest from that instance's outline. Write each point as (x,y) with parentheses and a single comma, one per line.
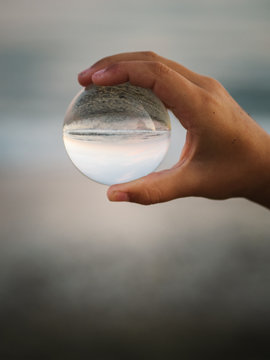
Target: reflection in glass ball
(115,134)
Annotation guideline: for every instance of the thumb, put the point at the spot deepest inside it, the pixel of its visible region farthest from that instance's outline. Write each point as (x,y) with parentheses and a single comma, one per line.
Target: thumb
(156,187)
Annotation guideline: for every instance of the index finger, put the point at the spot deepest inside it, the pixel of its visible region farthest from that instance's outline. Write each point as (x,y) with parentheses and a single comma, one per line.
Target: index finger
(85,77)
(174,90)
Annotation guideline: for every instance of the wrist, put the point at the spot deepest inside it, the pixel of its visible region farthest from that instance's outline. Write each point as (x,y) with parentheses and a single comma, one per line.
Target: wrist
(260,192)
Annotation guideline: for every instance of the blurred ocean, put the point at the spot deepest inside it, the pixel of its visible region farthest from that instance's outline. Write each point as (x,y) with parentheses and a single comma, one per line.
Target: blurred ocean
(82,278)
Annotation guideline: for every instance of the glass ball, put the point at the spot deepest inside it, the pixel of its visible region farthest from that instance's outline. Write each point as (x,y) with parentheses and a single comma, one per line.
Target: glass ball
(115,134)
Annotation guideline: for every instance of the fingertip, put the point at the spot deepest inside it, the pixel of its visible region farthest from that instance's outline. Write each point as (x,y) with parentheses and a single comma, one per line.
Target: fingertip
(80,80)
(84,72)
(84,82)
(85,77)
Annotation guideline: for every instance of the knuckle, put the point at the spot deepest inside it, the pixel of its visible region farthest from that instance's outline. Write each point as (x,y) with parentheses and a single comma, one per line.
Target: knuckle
(160,69)
(148,191)
(152,196)
(150,55)
(211,83)
(203,100)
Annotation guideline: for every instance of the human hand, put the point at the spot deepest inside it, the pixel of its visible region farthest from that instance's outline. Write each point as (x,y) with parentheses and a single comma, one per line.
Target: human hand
(226,153)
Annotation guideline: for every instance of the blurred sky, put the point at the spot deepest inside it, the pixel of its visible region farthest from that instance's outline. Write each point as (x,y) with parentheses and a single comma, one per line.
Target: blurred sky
(75,267)
(45,44)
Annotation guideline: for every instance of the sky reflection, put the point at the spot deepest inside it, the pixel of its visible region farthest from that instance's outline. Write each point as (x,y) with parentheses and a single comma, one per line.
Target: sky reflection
(117,157)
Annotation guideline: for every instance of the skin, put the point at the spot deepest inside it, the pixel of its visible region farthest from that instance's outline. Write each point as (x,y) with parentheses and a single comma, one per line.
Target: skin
(226,153)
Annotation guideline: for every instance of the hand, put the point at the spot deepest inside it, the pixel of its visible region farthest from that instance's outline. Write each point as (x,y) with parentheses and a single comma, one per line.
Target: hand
(226,153)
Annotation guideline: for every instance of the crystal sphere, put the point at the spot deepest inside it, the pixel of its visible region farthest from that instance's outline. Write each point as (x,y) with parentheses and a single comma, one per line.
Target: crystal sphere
(115,134)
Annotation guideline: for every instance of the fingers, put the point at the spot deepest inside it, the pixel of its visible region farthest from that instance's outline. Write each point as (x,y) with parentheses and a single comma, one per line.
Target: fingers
(85,78)
(157,187)
(174,90)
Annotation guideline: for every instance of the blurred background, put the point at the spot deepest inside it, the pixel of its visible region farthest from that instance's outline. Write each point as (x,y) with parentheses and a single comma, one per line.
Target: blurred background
(82,278)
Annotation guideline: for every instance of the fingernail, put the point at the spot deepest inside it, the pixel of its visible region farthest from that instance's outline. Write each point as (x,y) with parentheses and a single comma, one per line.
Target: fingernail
(99,72)
(119,196)
(83,72)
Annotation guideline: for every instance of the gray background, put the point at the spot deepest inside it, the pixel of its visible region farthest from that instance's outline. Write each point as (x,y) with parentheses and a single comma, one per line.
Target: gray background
(82,278)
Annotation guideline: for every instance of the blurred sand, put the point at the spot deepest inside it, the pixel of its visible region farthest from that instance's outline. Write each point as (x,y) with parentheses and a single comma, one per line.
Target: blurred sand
(84,277)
